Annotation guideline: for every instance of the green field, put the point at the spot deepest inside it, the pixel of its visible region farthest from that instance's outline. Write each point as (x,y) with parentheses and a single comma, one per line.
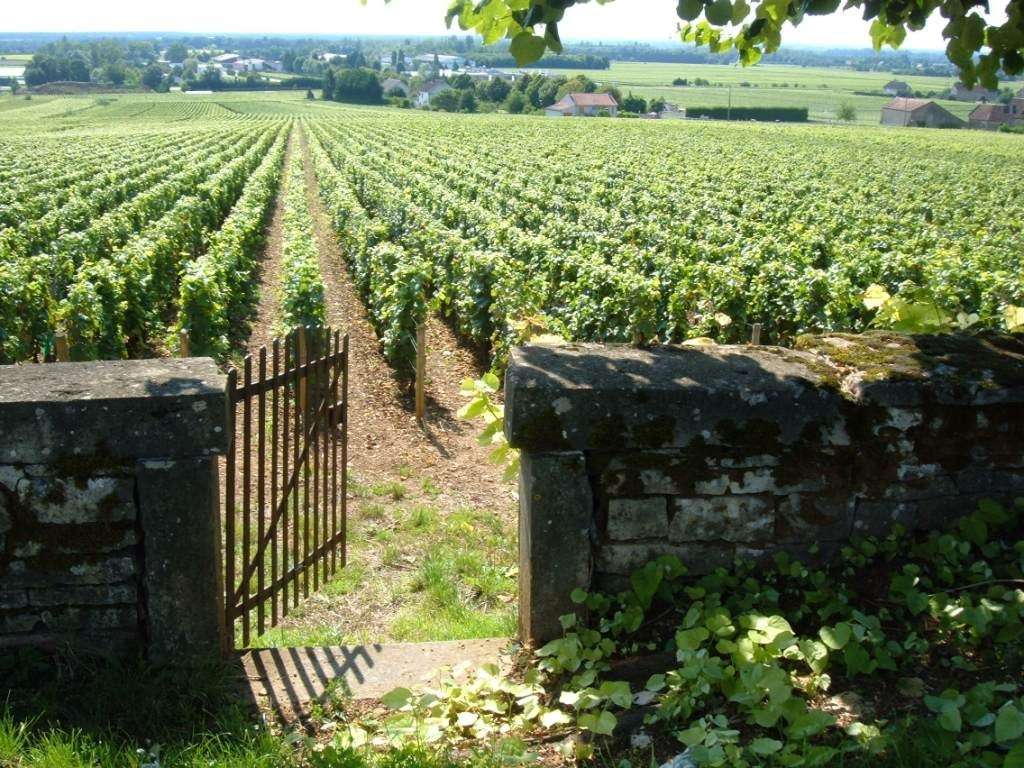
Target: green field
(820,90)
(613,229)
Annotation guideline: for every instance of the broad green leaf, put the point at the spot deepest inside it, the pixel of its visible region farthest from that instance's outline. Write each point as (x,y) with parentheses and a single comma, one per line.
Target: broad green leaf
(526,48)
(1015,757)
(949,720)
(691,639)
(1013,318)
(765,746)
(875,296)
(836,637)
(554,717)
(602,723)
(396,698)
(1009,723)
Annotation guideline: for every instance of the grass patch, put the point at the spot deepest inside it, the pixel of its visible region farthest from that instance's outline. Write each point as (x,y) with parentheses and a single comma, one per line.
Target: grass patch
(417,571)
(394,490)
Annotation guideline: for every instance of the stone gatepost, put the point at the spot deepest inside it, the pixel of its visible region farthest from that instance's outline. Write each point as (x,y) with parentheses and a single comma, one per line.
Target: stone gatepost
(109,506)
(723,452)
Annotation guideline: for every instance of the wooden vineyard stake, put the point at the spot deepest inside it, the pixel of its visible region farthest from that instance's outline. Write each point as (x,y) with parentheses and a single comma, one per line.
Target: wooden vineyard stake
(302,357)
(755,334)
(61,350)
(421,371)
(183,343)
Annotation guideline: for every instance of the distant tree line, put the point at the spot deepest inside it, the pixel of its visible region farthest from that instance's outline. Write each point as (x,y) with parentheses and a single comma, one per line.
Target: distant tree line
(100,61)
(486,58)
(768,114)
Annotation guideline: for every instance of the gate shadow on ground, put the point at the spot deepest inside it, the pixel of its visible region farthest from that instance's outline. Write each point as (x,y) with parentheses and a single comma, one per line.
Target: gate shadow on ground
(288,679)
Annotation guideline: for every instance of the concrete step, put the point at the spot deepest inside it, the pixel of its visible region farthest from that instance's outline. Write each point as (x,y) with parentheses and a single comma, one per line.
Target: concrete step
(288,680)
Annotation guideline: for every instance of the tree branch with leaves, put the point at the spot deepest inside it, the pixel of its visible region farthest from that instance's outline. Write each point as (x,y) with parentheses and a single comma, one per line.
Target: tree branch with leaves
(978,47)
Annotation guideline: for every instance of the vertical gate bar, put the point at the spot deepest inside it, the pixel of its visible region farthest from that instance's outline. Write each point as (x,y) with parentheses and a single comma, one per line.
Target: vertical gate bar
(344,452)
(261,477)
(335,373)
(275,360)
(229,511)
(314,446)
(296,469)
(246,491)
(285,438)
(325,442)
(325,467)
(304,333)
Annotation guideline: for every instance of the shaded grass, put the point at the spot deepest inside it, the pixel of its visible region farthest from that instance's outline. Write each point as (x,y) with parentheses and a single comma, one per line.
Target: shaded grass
(68,712)
(418,570)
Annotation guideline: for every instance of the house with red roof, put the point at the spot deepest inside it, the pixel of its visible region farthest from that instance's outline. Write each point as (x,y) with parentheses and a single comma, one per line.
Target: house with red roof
(589,104)
(989,117)
(919,113)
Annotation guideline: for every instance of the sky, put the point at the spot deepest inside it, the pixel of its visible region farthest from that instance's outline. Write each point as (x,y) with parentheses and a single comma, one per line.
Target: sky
(620,20)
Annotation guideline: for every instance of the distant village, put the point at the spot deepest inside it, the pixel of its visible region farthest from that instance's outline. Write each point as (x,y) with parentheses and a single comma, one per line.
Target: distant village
(428,80)
(989,113)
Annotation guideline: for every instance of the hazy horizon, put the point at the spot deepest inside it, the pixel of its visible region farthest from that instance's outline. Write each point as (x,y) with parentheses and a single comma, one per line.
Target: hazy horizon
(648,21)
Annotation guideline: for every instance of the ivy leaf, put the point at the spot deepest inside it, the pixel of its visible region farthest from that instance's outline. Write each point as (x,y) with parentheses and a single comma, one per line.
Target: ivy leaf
(1015,757)
(617,692)
(645,583)
(949,720)
(1009,723)
(602,723)
(397,698)
(1013,318)
(765,629)
(836,637)
(554,717)
(974,530)
(691,639)
(765,746)
(875,296)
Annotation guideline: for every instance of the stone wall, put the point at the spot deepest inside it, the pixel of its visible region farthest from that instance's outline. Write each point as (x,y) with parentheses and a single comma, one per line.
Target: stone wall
(709,453)
(109,534)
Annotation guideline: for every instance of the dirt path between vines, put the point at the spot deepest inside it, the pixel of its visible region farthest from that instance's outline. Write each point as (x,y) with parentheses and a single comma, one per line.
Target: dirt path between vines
(384,438)
(268,309)
(416,493)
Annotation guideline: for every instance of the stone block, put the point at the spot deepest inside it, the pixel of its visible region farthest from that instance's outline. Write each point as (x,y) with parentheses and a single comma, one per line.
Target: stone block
(599,397)
(113,594)
(78,619)
(630,519)
(556,522)
(110,570)
(180,520)
(19,623)
(60,501)
(96,540)
(722,518)
(991,481)
(11,599)
(624,559)
(811,517)
(91,414)
(811,553)
(876,518)
(651,473)
(941,512)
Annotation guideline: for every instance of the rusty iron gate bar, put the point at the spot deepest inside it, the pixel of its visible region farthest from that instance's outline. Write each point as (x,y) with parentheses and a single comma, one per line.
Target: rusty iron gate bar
(294,533)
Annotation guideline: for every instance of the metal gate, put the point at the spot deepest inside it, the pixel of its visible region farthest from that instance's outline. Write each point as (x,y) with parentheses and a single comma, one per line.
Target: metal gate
(285,483)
